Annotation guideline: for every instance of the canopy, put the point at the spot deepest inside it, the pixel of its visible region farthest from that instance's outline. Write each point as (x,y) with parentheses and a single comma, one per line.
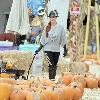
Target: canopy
(18,19)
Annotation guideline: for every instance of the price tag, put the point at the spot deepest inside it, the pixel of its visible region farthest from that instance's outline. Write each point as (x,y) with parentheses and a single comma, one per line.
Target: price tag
(75,10)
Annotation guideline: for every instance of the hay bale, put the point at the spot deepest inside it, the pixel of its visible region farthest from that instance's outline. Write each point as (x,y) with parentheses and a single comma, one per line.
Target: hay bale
(21,59)
(77,68)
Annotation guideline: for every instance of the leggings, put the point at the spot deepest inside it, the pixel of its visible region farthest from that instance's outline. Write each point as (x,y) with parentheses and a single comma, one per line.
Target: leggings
(53,59)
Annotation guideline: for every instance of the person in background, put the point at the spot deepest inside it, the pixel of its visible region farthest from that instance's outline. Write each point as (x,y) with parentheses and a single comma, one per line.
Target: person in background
(52,38)
(1,63)
(36,29)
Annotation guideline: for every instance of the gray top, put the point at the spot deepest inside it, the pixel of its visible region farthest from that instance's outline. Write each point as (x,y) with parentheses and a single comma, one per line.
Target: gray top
(56,38)
(36,29)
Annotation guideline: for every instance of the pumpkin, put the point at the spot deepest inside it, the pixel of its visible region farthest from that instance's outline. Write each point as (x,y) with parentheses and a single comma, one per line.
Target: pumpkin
(47,82)
(5,91)
(30,89)
(93,56)
(5,75)
(7,80)
(97,62)
(43,96)
(29,96)
(66,78)
(79,78)
(60,93)
(21,86)
(77,92)
(91,83)
(98,79)
(23,82)
(9,65)
(18,95)
(68,93)
(78,85)
(50,94)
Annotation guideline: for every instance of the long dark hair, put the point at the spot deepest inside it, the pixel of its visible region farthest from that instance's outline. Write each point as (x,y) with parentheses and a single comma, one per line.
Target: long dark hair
(48,28)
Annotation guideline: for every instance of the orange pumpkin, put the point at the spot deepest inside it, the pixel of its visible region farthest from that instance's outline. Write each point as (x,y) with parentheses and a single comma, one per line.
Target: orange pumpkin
(5,75)
(66,78)
(29,96)
(5,91)
(7,80)
(78,85)
(21,87)
(18,95)
(47,82)
(43,96)
(68,93)
(91,82)
(79,78)
(97,62)
(23,82)
(60,93)
(98,79)
(50,94)
(93,56)
(9,65)
(76,91)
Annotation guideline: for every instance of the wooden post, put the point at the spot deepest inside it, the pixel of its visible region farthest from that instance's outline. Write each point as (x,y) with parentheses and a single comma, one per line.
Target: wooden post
(87,29)
(97,32)
(74,12)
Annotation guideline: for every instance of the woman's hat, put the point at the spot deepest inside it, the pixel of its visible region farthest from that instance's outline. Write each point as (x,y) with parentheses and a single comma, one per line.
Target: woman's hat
(53,13)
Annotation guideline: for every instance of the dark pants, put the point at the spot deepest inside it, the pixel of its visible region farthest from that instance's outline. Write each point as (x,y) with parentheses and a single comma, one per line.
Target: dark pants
(53,58)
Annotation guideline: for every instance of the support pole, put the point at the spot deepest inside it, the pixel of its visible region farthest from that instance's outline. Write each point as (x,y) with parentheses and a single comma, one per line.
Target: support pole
(87,29)
(97,32)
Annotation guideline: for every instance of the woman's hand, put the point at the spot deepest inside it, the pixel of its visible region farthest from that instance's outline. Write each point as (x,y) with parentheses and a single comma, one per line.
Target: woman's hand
(65,51)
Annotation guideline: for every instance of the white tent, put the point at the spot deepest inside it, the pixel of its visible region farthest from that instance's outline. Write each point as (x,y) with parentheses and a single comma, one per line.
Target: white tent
(18,19)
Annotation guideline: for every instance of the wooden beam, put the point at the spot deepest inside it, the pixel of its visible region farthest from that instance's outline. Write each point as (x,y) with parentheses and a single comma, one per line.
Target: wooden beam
(87,29)
(97,31)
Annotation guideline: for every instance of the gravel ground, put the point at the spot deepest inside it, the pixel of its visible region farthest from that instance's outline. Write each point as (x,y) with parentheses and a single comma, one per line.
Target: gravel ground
(91,94)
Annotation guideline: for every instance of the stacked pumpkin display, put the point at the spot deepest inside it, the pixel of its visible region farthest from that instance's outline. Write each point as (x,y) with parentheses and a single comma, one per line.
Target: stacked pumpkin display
(68,87)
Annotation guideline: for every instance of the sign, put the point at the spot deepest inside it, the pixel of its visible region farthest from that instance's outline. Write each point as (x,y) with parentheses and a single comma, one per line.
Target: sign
(36,7)
(75,10)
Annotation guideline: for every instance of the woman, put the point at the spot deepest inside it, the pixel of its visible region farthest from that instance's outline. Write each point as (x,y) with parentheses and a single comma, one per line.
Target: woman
(52,38)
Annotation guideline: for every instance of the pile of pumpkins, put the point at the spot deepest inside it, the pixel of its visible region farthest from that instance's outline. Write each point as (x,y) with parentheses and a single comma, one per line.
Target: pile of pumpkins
(68,87)
(92,58)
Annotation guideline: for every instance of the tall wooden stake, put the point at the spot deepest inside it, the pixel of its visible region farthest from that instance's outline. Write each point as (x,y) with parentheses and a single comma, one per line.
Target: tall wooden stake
(97,32)
(87,29)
